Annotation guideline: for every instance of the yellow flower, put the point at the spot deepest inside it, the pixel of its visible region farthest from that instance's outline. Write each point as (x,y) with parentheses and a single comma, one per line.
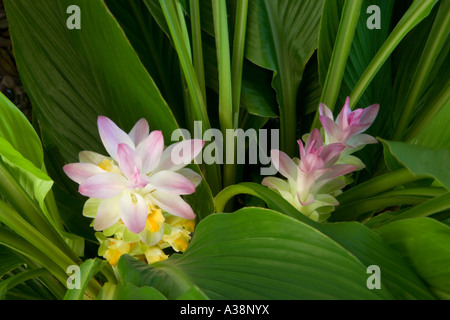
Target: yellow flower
(116,248)
(180,223)
(178,239)
(155,219)
(155,254)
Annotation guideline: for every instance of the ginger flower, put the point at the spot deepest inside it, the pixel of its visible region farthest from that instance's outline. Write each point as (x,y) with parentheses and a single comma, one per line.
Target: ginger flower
(307,175)
(137,178)
(348,127)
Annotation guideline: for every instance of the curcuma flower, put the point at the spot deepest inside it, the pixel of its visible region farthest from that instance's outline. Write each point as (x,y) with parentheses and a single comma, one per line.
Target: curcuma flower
(348,127)
(131,188)
(310,174)
(313,181)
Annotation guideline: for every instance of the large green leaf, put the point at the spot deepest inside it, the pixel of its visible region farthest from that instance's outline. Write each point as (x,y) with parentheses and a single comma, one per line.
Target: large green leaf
(365,245)
(256,254)
(154,49)
(282,36)
(423,242)
(397,275)
(419,159)
(73,76)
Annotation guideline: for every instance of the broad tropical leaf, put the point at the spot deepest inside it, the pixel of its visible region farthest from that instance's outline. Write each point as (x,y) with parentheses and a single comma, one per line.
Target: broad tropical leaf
(423,242)
(232,255)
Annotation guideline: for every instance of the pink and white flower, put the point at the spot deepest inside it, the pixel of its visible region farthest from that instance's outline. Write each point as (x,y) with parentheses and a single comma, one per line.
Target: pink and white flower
(348,127)
(307,175)
(138,175)
(312,180)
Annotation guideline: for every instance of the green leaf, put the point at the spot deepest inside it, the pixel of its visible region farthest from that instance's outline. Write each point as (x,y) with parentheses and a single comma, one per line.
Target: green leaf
(194,293)
(257,96)
(27,240)
(17,130)
(73,76)
(354,237)
(427,208)
(128,291)
(396,274)
(154,49)
(430,125)
(365,45)
(32,179)
(421,160)
(282,36)
(17,279)
(342,45)
(437,40)
(88,270)
(256,253)
(25,187)
(423,242)
(9,260)
(418,11)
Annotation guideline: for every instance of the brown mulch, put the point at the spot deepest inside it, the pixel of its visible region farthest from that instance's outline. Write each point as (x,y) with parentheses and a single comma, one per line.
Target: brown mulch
(10,84)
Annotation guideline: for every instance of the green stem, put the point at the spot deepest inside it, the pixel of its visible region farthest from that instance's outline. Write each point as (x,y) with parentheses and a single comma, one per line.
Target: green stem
(343,43)
(273,200)
(224,65)
(225,89)
(377,185)
(436,39)
(171,14)
(416,13)
(238,54)
(197,44)
(222,198)
(184,30)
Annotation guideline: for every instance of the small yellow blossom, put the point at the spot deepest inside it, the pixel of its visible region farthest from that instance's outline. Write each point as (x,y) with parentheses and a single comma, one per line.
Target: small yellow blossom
(155,254)
(116,249)
(155,219)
